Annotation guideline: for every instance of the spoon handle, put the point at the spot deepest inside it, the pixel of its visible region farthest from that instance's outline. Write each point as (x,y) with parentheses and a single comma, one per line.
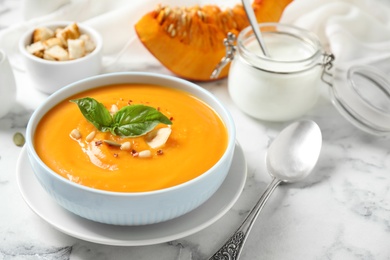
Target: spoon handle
(255,25)
(231,250)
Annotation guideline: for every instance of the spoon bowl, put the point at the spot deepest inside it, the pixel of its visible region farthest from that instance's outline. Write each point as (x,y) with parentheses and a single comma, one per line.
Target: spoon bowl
(293,154)
(291,157)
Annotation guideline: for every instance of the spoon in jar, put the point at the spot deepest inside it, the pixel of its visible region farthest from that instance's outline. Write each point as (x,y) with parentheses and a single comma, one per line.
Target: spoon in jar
(255,26)
(290,158)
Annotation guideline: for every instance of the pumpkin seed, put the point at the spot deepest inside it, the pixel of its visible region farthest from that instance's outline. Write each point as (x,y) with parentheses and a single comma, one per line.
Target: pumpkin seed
(75,134)
(126,146)
(114,109)
(183,19)
(200,14)
(161,17)
(173,33)
(158,8)
(19,139)
(90,136)
(112,143)
(170,28)
(167,11)
(144,154)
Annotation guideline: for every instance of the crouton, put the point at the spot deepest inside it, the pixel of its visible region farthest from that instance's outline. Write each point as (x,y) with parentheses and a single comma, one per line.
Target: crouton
(52,42)
(47,57)
(57,53)
(89,44)
(42,34)
(61,43)
(36,48)
(76,48)
(69,32)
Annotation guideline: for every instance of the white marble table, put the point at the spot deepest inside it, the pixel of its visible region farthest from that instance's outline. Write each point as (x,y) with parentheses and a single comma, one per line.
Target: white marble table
(341,211)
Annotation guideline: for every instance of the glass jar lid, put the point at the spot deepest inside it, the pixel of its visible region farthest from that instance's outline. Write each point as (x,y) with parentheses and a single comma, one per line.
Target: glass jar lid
(362,95)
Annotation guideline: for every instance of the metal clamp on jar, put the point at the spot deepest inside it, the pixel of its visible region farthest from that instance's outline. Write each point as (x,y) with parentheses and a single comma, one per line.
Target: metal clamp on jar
(279,87)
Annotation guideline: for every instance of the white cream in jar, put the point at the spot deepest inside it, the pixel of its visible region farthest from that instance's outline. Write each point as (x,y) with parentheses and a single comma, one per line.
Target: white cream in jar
(283,86)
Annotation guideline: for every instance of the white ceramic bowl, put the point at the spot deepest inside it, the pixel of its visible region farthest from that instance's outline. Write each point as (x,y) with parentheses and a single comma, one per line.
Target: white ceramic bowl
(49,76)
(121,208)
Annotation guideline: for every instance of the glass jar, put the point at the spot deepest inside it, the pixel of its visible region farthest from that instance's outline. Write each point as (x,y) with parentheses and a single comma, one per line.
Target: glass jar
(284,85)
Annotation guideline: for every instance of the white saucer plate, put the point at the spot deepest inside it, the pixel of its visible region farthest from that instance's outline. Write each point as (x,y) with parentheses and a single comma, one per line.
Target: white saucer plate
(61,219)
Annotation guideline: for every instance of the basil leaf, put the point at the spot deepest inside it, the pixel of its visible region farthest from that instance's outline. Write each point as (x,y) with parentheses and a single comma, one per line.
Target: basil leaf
(136,120)
(130,121)
(95,112)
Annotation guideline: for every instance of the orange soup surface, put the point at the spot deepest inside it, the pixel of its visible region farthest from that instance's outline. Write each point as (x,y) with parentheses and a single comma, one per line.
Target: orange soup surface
(197,141)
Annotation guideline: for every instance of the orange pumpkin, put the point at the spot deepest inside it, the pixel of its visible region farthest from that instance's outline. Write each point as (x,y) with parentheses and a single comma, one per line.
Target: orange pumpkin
(189,40)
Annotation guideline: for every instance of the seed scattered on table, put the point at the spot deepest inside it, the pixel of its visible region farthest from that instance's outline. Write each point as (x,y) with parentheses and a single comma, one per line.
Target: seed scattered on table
(19,139)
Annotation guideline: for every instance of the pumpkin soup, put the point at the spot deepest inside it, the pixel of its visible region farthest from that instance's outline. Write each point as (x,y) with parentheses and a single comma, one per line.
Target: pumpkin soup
(168,155)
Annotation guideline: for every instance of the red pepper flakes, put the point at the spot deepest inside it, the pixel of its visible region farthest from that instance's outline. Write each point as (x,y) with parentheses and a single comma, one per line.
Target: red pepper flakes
(97,143)
(134,153)
(160,152)
(171,118)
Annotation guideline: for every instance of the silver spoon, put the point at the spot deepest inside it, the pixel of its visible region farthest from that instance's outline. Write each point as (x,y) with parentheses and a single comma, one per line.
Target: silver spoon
(255,25)
(290,158)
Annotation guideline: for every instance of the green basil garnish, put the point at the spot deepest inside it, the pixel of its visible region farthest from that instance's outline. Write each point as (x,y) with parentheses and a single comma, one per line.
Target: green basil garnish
(129,121)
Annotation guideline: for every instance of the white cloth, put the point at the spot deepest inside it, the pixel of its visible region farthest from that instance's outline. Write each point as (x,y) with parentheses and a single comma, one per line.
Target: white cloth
(355,31)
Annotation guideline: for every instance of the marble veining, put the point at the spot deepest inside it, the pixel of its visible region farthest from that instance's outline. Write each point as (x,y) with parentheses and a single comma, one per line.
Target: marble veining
(33,252)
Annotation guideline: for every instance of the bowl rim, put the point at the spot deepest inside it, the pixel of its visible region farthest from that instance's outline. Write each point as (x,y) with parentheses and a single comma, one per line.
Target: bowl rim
(37,115)
(93,33)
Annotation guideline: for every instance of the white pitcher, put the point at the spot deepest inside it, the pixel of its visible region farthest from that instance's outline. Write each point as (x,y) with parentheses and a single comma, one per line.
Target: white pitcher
(7,85)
